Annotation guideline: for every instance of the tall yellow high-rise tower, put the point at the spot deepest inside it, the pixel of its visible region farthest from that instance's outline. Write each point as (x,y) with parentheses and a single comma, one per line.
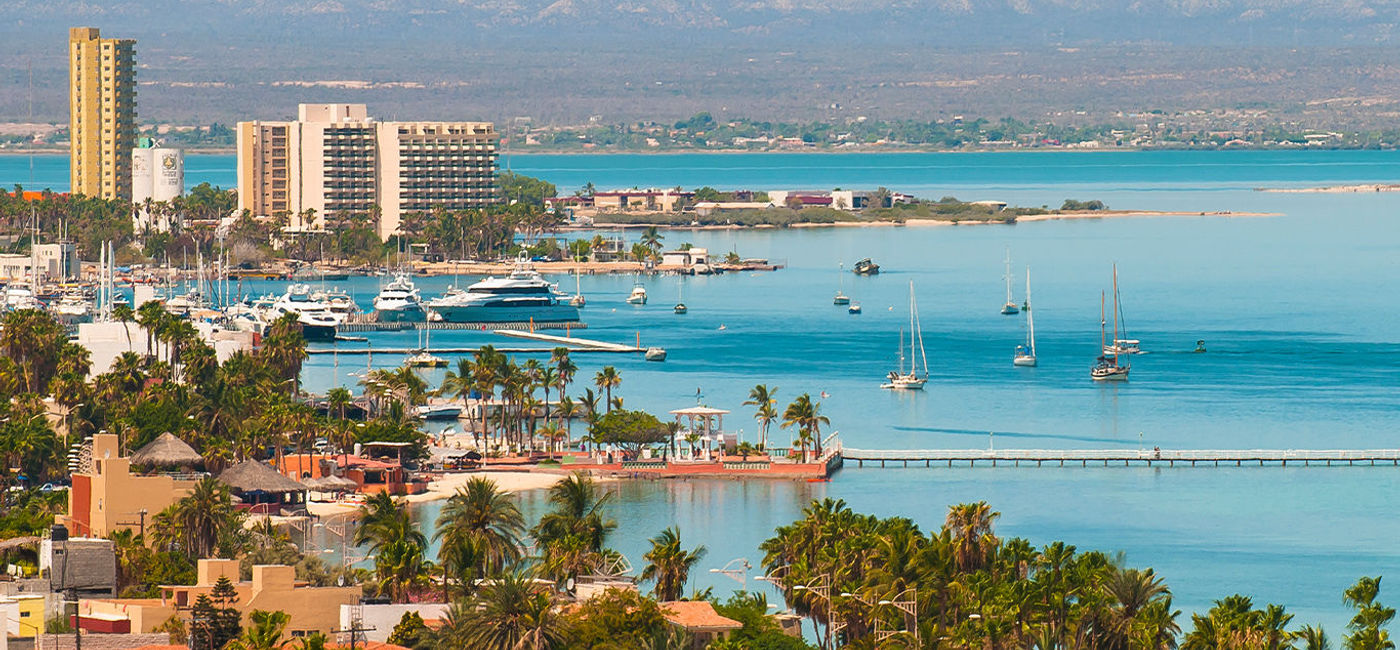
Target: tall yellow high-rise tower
(102,113)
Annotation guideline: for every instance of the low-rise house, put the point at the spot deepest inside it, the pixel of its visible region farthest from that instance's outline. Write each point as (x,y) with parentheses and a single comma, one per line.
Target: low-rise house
(381,618)
(273,588)
(686,258)
(699,619)
(262,490)
(648,200)
(707,208)
(107,495)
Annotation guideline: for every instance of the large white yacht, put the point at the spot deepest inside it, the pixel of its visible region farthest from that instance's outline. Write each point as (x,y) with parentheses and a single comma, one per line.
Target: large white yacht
(522,296)
(318,322)
(399,302)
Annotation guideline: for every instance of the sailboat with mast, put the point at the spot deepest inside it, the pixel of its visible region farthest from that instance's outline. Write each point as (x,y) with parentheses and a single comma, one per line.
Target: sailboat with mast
(910,379)
(1121,345)
(841,298)
(1025,354)
(1010,308)
(1107,367)
(578,300)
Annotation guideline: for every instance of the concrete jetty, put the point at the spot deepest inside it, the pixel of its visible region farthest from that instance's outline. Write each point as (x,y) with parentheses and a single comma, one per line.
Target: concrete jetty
(1123,457)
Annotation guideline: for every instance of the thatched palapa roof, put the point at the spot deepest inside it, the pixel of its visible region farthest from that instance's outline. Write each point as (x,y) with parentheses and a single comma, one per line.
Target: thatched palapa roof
(253,476)
(167,451)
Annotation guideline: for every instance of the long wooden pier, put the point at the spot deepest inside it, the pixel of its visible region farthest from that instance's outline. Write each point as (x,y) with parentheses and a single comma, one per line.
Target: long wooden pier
(1122,457)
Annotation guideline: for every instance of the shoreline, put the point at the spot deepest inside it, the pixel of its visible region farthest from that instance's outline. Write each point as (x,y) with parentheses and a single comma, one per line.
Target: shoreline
(510,481)
(1078,214)
(1366,188)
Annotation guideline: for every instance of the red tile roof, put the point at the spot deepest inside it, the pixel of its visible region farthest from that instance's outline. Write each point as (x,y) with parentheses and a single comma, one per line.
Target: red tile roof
(697,614)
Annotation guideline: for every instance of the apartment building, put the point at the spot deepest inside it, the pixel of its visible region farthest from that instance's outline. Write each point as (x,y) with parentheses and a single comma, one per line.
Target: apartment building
(102,113)
(335,161)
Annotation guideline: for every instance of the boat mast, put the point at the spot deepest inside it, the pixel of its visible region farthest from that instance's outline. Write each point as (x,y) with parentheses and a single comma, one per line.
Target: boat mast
(1030,317)
(1007,275)
(1115,311)
(1103,322)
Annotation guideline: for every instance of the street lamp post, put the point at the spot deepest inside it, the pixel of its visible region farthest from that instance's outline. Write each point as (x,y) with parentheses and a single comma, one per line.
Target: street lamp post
(739,573)
(907,602)
(821,588)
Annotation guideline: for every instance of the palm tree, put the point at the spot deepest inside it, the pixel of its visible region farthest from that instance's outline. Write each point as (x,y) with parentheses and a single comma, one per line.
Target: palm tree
(970,525)
(265,633)
(512,612)
(480,528)
(151,316)
(761,396)
(669,565)
(805,414)
(124,315)
(577,511)
(1312,638)
(398,546)
(651,239)
(198,521)
(607,379)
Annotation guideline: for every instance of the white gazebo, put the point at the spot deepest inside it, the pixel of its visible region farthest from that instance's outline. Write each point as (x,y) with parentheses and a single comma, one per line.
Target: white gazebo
(706,421)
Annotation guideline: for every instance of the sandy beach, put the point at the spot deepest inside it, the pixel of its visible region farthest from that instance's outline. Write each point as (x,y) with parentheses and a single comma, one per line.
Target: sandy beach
(1334,189)
(1115,214)
(509,481)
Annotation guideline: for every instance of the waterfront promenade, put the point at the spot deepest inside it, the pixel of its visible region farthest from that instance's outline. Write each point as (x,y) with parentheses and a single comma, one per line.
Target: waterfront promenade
(1122,457)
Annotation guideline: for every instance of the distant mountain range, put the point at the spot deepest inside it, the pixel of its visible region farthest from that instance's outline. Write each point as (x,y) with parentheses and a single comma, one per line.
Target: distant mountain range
(1318,62)
(966,22)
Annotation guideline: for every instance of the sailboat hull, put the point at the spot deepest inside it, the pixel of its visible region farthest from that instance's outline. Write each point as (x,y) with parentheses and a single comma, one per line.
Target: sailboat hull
(905,383)
(1024,362)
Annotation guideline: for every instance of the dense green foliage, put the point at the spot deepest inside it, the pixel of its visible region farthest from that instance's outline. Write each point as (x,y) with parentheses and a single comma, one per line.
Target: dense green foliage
(629,430)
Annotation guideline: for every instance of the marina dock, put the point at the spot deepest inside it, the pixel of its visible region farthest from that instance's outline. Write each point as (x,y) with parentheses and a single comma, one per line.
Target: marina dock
(365,325)
(574,344)
(1123,457)
(570,340)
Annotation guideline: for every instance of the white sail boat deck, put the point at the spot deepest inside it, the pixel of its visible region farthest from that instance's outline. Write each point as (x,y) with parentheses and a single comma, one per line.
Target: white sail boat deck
(1010,308)
(1107,367)
(910,379)
(1025,354)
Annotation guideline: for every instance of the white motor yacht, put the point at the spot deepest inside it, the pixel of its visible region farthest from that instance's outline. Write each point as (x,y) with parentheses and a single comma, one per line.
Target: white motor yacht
(522,296)
(638,295)
(318,322)
(399,302)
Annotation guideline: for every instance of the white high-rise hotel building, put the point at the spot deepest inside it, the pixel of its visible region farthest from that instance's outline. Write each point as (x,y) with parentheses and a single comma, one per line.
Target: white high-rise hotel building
(336,160)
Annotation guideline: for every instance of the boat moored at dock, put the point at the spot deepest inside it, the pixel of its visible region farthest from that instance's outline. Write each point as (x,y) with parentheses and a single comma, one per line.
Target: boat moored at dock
(522,296)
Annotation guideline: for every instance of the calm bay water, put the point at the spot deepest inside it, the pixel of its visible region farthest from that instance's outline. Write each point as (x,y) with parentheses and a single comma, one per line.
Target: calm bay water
(1298,312)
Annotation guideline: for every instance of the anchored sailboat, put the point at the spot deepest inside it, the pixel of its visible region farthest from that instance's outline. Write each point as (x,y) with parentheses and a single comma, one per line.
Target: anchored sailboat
(1025,354)
(680,307)
(1107,367)
(578,300)
(911,379)
(841,298)
(1123,345)
(1010,308)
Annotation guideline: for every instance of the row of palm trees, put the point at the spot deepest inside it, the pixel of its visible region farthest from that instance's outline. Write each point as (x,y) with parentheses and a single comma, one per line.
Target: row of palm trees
(503,578)
(866,582)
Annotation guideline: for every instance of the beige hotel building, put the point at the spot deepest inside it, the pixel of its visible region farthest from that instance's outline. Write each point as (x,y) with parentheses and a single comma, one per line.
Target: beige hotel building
(102,113)
(336,160)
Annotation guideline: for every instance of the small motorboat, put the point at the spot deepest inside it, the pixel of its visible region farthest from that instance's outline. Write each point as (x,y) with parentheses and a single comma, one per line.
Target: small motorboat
(656,354)
(854,308)
(439,411)
(867,267)
(638,295)
(1124,346)
(425,360)
(680,308)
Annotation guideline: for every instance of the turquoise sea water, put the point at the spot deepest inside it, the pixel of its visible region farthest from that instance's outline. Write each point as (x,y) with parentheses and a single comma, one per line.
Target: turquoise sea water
(1299,312)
